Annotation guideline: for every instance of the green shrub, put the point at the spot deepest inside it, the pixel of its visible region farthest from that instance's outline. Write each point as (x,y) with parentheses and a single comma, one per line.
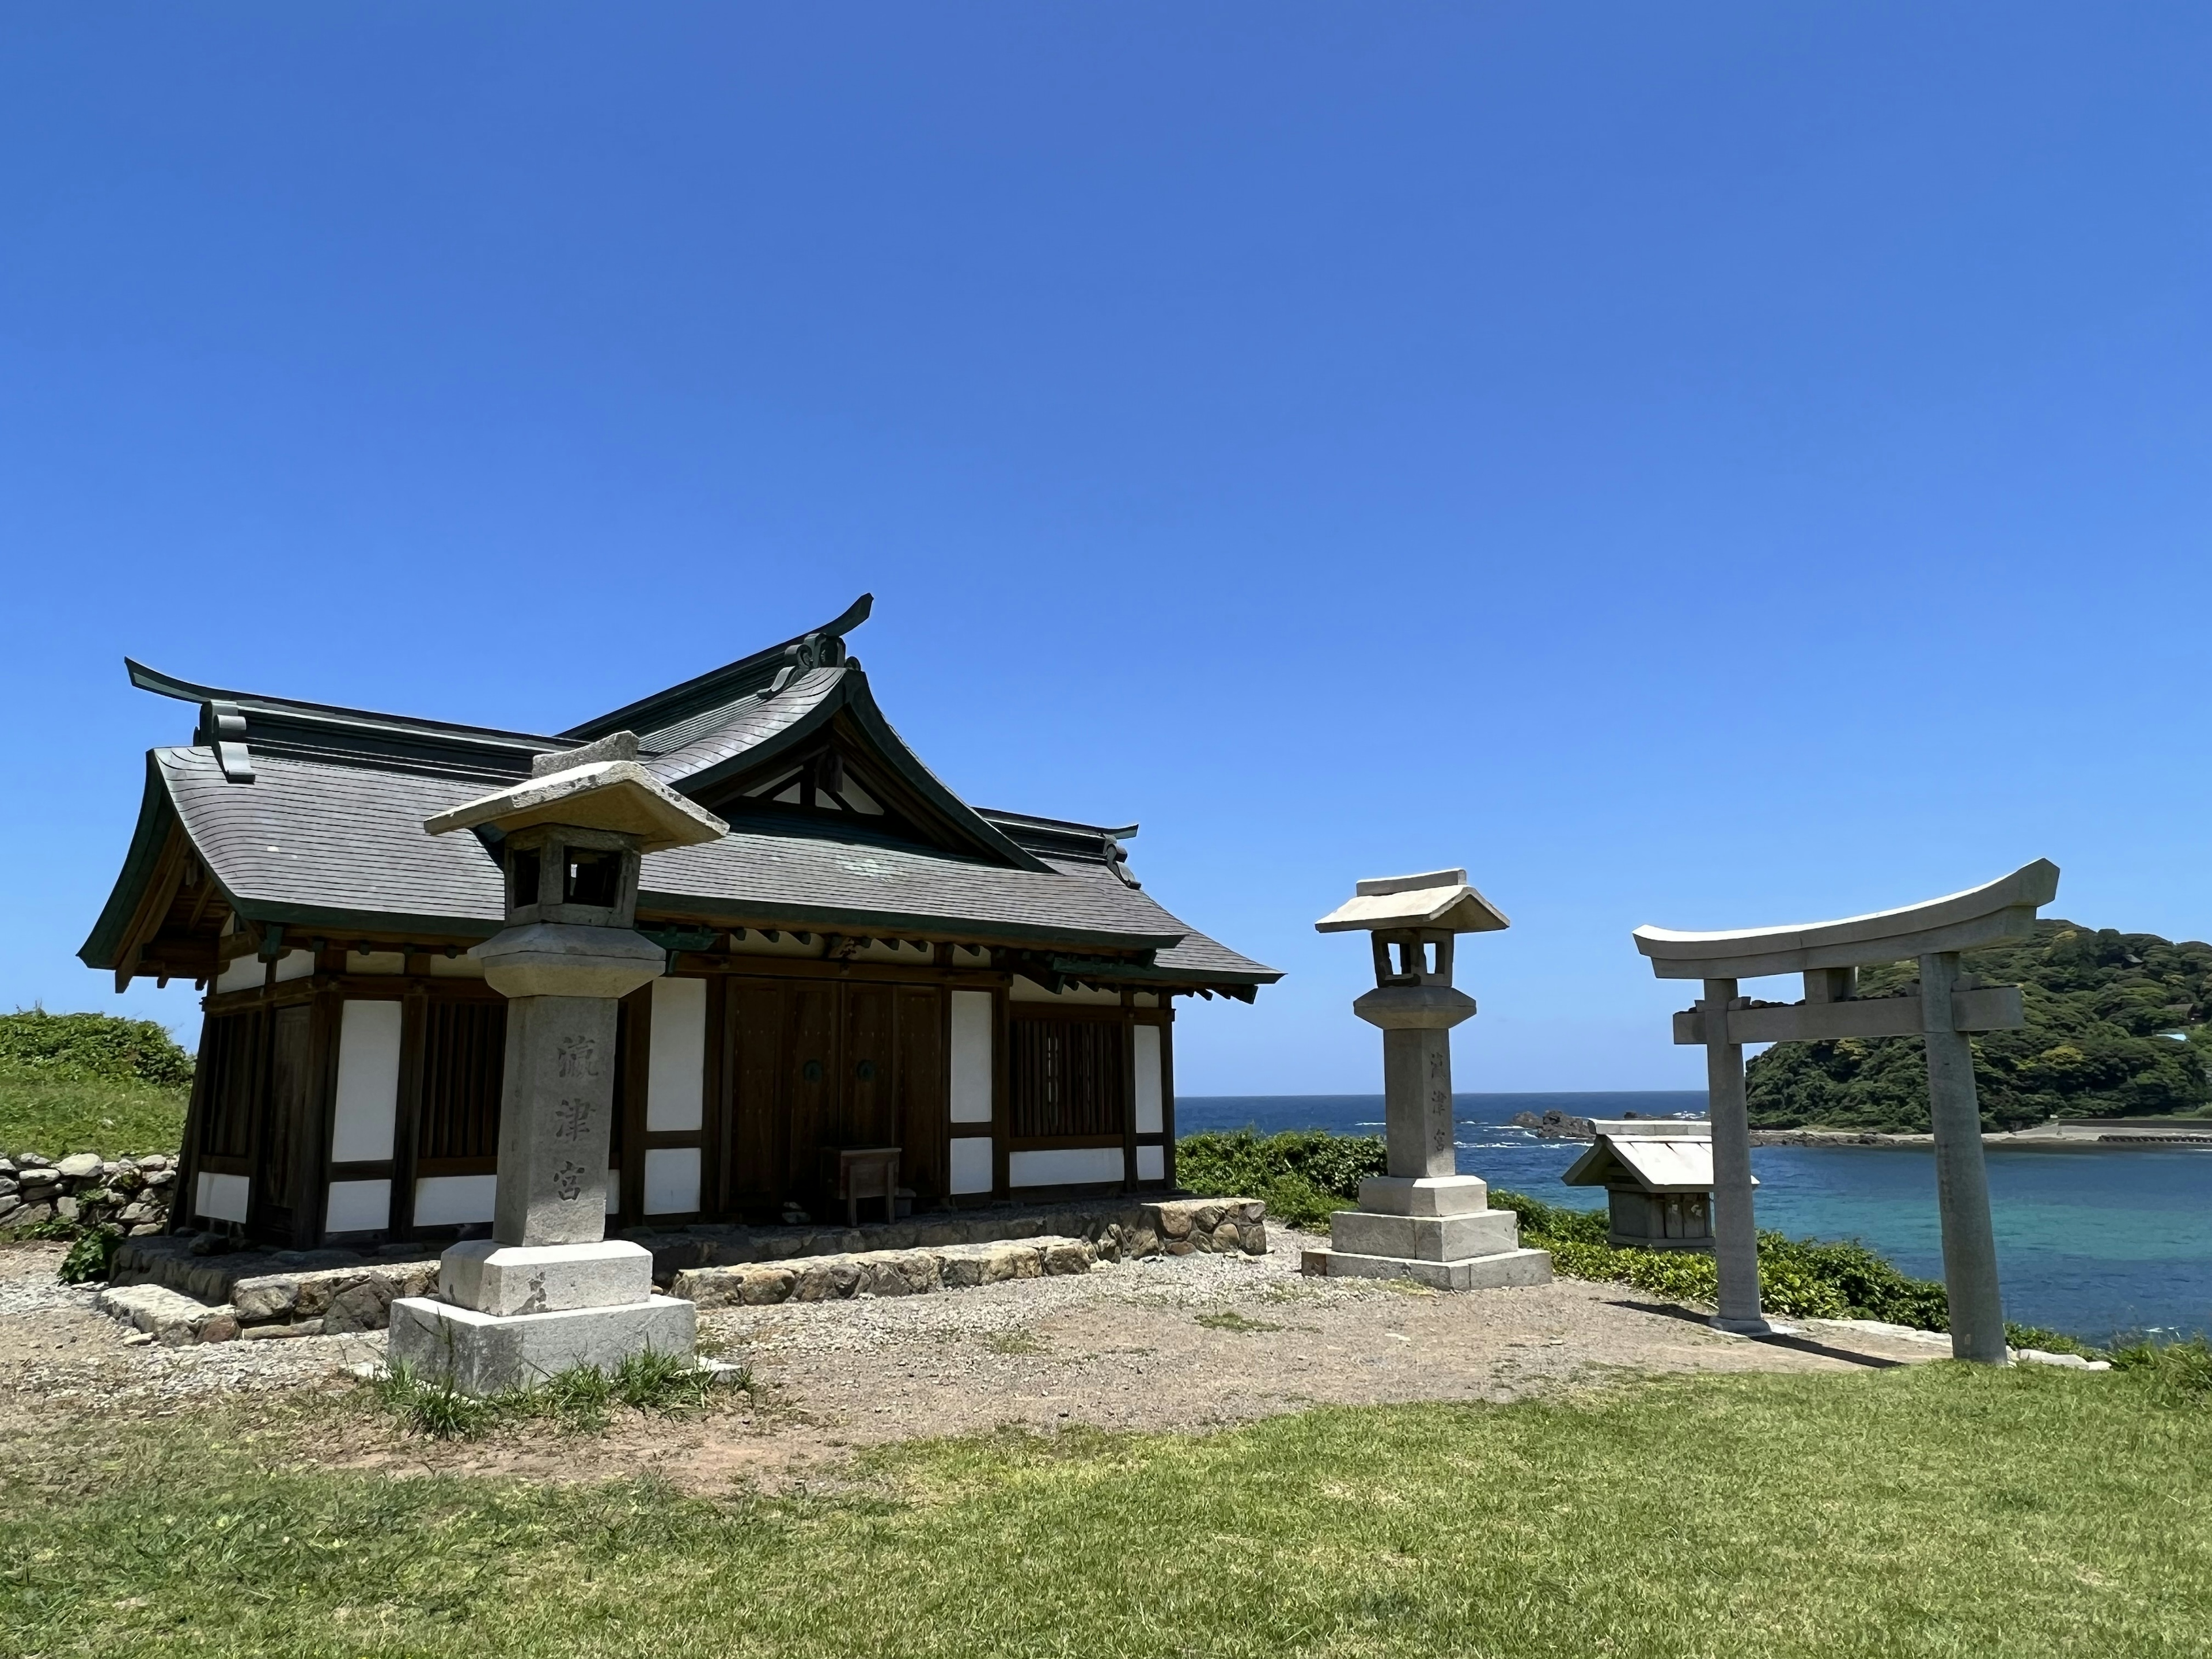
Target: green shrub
(2179,1373)
(84,1047)
(1300,1174)
(1798,1278)
(92,1256)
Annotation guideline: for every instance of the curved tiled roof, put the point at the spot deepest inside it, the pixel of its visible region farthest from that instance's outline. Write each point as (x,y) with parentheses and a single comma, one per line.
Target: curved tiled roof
(312,844)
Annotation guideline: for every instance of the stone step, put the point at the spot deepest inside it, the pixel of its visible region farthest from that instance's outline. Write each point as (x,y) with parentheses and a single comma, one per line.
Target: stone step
(1426,1238)
(883,1272)
(170,1317)
(1479,1272)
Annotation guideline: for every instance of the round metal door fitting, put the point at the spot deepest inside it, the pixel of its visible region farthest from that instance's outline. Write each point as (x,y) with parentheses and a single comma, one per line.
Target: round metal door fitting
(812,1071)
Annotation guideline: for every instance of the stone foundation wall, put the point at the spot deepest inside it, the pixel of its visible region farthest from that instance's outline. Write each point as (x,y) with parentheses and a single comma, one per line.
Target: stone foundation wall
(257,1294)
(264,1293)
(132,1192)
(1177,1226)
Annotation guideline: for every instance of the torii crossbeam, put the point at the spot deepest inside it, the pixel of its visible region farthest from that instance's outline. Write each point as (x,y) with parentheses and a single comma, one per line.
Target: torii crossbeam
(1947,1006)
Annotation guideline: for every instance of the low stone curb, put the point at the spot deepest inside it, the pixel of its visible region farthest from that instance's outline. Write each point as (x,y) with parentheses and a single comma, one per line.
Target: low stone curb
(1174,1226)
(160,1286)
(883,1272)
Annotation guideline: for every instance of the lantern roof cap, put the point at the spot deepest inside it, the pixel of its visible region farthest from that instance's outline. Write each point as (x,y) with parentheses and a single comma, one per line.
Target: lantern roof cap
(1440,900)
(617,795)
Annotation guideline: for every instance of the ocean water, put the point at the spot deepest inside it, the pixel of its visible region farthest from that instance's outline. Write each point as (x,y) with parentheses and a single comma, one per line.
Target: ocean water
(2095,1243)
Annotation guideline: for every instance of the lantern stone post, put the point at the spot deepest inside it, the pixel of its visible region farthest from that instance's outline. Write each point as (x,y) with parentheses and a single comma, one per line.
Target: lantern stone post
(1942,1010)
(1423,1220)
(548,1291)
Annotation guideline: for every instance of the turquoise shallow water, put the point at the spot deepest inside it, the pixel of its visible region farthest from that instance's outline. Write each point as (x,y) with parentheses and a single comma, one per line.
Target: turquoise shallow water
(2093,1244)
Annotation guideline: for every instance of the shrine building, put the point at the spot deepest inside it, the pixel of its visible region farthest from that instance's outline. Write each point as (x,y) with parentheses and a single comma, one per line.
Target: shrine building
(864,960)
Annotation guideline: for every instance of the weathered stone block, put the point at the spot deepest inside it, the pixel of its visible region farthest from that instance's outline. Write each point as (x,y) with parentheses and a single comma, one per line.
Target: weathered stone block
(480,1354)
(1068,1257)
(763,1285)
(517,1279)
(77,1165)
(1424,1238)
(269,1297)
(361,1306)
(831,1279)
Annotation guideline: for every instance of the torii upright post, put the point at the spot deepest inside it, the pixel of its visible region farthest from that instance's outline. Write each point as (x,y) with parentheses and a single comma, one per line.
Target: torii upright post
(1949,1005)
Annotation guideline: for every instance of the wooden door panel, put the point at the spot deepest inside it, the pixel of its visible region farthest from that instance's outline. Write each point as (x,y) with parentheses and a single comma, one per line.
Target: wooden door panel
(290,1084)
(922,1084)
(869,1066)
(754,1107)
(812,1086)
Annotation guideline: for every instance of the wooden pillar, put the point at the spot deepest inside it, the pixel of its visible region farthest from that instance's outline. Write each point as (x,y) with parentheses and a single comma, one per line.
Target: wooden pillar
(1962,1180)
(1735,1232)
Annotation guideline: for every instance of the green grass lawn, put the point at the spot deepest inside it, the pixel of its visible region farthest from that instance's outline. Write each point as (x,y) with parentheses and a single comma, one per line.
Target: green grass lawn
(42,1114)
(1939,1510)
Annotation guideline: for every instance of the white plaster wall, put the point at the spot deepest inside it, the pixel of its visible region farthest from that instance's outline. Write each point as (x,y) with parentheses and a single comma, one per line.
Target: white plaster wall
(786,944)
(451,1200)
(1064,1166)
(222,1197)
(359,1207)
(1152,1117)
(892,949)
(1152,1164)
(244,974)
(676,1060)
(294,964)
(971,1058)
(971,1164)
(368,1082)
(463,966)
(1087,996)
(672,1180)
(375,962)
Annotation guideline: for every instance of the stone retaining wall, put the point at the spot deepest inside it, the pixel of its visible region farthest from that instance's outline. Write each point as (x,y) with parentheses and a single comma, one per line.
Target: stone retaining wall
(256,1294)
(132,1192)
(883,1272)
(263,1293)
(1175,1226)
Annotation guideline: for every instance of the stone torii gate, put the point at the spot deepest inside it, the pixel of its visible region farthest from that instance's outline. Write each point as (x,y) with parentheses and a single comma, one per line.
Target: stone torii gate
(1947,1006)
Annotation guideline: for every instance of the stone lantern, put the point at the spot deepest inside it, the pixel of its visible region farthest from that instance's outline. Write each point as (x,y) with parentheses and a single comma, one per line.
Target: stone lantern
(1424,1220)
(548,1291)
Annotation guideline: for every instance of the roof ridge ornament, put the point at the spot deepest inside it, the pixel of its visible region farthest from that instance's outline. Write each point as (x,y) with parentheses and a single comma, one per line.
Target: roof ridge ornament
(801,657)
(223,728)
(822,648)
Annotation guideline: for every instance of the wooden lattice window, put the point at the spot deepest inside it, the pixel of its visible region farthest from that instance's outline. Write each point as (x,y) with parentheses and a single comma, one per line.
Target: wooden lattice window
(1068,1078)
(464,1065)
(230,1064)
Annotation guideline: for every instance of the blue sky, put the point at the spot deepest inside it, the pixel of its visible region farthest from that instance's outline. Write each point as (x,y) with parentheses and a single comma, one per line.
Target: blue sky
(1706,465)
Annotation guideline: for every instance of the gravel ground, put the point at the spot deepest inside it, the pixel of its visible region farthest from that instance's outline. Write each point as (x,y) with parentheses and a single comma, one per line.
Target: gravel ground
(58,1354)
(1186,1343)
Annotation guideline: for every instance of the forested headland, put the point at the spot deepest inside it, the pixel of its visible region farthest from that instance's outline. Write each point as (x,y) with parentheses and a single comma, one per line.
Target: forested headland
(2117,1027)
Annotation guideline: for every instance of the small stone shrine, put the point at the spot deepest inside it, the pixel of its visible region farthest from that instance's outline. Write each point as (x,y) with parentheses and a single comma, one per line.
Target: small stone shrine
(1941,1010)
(1424,1220)
(548,1291)
(1657,1174)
